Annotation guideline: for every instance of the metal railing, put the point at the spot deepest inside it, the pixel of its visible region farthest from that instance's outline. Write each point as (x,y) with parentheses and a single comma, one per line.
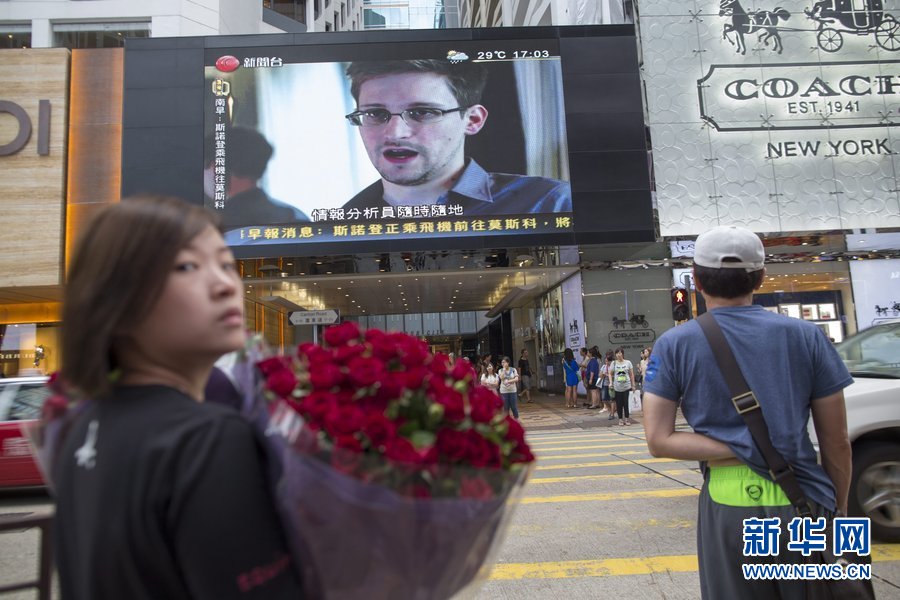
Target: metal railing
(44,581)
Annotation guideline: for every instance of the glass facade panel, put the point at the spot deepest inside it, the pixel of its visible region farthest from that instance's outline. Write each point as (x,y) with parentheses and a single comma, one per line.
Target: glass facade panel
(97,35)
(14,38)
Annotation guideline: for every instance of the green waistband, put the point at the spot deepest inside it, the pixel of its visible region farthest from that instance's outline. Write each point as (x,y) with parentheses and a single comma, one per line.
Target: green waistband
(741,486)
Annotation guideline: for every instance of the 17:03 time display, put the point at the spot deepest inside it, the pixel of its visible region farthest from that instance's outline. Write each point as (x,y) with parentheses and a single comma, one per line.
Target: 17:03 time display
(507,54)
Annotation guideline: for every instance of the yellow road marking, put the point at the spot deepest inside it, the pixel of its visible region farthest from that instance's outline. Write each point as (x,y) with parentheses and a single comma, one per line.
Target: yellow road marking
(678,492)
(609,463)
(541,480)
(602,526)
(595,568)
(612,438)
(543,451)
(632,566)
(543,457)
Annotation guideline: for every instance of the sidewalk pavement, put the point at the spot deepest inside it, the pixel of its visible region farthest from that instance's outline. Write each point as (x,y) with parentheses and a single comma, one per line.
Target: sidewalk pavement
(547,411)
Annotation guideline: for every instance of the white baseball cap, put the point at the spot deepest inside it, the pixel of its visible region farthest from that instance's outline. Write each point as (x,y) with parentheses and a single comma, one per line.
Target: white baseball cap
(728,241)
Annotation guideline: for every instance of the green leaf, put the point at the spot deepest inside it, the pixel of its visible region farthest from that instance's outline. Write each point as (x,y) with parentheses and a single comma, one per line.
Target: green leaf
(408,429)
(392,411)
(422,439)
(436,412)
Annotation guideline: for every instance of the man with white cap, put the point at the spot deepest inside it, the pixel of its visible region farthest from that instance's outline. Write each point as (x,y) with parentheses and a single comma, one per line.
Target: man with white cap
(793,371)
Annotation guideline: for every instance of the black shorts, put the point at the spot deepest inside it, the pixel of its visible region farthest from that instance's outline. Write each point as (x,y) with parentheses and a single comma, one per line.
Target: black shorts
(591,386)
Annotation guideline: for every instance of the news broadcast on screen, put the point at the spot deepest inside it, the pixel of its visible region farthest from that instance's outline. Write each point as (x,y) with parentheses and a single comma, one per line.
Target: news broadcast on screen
(350,142)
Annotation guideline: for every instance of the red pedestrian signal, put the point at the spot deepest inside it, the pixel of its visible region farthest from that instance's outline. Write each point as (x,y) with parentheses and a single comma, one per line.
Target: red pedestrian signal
(680,310)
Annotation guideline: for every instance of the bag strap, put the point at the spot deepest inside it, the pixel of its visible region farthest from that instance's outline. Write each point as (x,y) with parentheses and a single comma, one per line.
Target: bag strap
(747,405)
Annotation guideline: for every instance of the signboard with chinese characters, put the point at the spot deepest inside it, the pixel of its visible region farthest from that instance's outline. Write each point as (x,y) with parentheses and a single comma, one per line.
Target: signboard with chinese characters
(34,86)
(314,317)
(776,118)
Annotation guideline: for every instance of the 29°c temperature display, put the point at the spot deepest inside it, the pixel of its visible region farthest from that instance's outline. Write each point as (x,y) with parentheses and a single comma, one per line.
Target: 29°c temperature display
(511,54)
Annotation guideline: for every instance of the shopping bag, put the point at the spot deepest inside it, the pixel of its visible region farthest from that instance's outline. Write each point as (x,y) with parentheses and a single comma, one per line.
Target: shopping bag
(634,401)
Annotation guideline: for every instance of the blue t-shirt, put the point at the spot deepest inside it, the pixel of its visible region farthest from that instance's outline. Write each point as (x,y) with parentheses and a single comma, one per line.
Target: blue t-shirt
(571,369)
(787,363)
(593,371)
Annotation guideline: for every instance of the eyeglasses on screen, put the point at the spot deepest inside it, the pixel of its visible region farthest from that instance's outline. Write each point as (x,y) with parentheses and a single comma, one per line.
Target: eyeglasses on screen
(418,115)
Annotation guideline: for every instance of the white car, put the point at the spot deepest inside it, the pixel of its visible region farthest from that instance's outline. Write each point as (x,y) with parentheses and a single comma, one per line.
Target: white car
(873,422)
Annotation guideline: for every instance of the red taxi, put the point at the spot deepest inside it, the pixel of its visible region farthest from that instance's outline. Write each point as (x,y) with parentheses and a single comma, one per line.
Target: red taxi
(21,399)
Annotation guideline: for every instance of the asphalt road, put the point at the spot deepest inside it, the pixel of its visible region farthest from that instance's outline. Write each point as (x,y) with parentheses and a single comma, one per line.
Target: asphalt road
(600,518)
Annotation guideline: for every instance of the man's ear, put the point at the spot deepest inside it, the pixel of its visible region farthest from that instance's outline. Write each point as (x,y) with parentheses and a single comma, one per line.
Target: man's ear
(475,117)
(762,280)
(696,282)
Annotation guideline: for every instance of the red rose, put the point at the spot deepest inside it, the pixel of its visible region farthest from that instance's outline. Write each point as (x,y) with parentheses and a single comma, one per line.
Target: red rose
(439,363)
(481,452)
(379,429)
(340,335)
(413,378)
(345,354)
(413,351)
(401,450)
(316,406)
(453,403)
(515,432)
(282,382)
(388,389)
(344,420)
(274,365)
(429,456)
(326,376)
(314,354)
(475,487)
(485,404)
(520,453)
(452,444)
(462,369)
(364,372)
(348,443)
(385,349)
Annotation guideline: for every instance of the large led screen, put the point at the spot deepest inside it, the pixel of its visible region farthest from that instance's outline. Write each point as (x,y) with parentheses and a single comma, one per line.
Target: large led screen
(350,142)
(442,139)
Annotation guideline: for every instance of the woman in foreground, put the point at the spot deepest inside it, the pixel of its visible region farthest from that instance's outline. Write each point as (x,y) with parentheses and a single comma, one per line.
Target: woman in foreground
(158,494)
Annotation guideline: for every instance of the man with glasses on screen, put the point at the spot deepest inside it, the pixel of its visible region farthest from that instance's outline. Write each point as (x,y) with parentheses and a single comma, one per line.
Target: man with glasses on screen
(413,117)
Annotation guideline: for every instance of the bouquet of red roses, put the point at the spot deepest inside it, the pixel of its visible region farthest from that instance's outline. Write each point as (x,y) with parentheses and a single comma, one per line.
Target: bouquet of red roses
(396,473)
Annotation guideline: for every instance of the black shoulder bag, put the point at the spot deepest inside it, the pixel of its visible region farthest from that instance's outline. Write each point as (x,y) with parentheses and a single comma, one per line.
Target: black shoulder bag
(781,472)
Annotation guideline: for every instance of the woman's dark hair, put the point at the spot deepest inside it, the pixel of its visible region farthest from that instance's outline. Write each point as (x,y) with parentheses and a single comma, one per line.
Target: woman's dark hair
(118,271)
(583,350)
(728,283)
(506,358)
(594,352)
(619,349)
(610,355)
(568,354)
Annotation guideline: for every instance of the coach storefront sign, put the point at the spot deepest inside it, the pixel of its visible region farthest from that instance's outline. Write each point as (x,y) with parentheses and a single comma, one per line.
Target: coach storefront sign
(775,118)
(34,85)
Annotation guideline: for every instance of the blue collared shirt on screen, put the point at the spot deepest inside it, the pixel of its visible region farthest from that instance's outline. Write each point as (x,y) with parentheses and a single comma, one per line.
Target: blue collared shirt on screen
(483,193)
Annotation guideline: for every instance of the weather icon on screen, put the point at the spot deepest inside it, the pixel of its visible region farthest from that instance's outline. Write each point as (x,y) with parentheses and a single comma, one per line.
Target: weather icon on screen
(457,57)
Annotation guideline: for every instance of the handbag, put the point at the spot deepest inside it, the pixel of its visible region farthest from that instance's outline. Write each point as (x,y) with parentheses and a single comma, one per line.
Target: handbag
(781,472)
(634,401)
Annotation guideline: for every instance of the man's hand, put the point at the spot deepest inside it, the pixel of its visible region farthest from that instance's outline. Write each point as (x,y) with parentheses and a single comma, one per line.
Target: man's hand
(830,420)
(665,442)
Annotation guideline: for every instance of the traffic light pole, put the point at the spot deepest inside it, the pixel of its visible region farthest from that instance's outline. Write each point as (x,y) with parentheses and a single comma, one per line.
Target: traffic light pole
(687,279)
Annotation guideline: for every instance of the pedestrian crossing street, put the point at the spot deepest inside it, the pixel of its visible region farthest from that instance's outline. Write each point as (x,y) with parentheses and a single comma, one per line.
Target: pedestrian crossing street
(600,517)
